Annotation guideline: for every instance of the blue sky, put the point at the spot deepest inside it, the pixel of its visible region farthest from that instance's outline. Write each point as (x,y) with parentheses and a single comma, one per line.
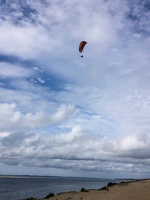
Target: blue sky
(61,114)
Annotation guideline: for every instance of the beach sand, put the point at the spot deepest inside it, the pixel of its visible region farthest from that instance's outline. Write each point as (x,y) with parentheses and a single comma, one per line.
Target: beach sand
(135,190)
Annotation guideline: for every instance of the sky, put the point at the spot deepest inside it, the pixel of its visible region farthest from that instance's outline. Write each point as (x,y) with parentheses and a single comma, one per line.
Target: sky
(63,115)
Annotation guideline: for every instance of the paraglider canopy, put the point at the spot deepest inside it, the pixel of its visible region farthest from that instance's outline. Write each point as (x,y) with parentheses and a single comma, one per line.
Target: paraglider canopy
(82,45)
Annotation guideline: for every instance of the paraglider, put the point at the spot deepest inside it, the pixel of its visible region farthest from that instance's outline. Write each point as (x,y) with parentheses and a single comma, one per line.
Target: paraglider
(81,47)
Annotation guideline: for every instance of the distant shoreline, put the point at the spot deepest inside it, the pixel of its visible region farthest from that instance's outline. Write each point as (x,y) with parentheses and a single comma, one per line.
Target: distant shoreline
(24,176)
(38,176)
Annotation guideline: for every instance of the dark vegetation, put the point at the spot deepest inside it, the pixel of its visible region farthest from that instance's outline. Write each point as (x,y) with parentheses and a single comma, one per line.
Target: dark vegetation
(49,195)
(84,190)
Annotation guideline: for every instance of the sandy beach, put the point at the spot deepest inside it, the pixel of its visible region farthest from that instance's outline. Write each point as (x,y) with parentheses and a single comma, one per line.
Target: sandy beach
(136,190)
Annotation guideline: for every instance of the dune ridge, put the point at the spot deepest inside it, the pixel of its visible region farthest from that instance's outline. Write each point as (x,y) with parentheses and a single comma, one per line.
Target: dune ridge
(132,190)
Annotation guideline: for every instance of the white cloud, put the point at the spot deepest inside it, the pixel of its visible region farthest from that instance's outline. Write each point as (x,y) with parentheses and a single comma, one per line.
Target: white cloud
(26,41)
(12,118)
(4,134)
(73,150)
(62,112)
(41,80)
(132,143)
(14,71)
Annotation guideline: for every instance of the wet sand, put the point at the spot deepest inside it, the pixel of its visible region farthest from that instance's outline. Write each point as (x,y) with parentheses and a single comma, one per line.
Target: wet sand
(135,190)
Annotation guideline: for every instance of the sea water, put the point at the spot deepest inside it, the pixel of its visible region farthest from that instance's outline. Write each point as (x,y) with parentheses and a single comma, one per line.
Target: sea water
(16,188)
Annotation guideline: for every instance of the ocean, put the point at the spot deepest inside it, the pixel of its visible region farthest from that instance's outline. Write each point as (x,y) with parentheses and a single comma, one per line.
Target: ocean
(16,188)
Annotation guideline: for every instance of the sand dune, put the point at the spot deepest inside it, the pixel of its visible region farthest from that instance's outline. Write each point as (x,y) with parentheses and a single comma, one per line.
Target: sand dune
(136,190)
